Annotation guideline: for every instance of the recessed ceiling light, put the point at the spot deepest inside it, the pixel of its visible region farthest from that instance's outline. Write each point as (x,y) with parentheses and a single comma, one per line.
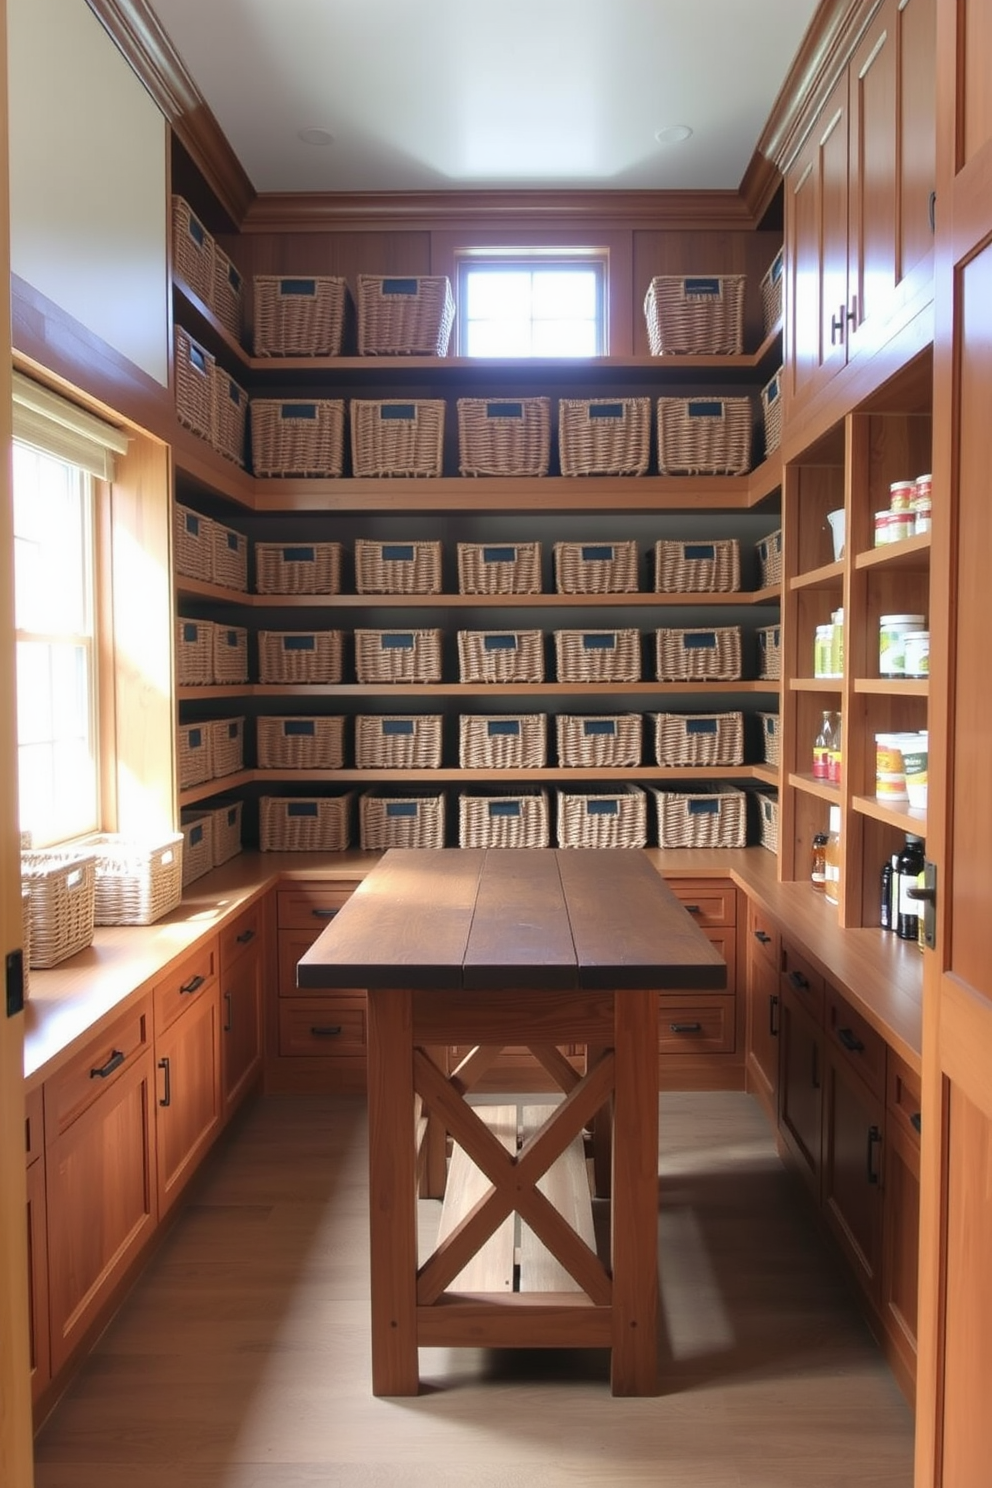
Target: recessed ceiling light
(674,134)
(316,136)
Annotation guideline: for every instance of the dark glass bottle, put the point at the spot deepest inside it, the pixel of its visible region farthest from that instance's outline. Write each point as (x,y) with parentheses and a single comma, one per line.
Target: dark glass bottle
(885,896)
(818,861)
(909,865)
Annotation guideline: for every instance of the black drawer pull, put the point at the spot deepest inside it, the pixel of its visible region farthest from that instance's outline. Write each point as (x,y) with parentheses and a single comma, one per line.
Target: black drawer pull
(229,1011)
(326,1030)
(323,914)
(193,985)
(245,937)
(797,980)
(761,936)
(773,1015)
(166,1100)
(686,1027)
(114,1062)
(874,1137)
(850,1041)
(692,908)
(916,1121)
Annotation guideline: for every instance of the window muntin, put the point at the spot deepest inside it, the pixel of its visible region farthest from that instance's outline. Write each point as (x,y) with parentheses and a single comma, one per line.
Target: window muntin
(529,305)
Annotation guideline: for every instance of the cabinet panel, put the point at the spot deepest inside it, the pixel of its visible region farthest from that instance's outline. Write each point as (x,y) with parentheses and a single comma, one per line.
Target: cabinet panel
(240,936)
(901,1241)
(311,906)
(241,1024)
(193,976)
(95,1070)
(763,1023)
(856,1043)
(188,1100)
(38,1277)
(709,901)
(801,1087)
(702,1025)
(328,1026)
(873,177)
(852,1171)
(803,981)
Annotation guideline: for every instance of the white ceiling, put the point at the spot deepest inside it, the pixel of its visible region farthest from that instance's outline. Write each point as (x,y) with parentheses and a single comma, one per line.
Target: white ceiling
(455,94)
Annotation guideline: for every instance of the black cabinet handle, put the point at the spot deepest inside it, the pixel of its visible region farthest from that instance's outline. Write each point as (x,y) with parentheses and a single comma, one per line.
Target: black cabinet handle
(245,937)
(837,324)
(798,981)
(773,1015)
(323,914)
(692,908)
(114,1062)
(325,1030)
(851,313)
(166,1100)
(193,985)
(916,1121)
(850,1041)
(932,210)
(874,1138)
(229,1001)
(762,937)
(815,1071)
(686,1027)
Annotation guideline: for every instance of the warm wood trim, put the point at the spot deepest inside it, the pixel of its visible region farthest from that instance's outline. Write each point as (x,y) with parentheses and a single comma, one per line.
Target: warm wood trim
(759,185)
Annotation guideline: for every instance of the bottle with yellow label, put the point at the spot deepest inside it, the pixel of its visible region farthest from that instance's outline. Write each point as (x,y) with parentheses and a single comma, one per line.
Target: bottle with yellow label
(832,860)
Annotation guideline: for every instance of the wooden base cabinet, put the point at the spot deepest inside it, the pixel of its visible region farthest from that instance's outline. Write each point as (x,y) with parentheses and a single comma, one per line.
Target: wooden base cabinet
(319,1037)
(762,966)
(852,1189)
(700,1035)
(37,1243)
(901,1236)
(242,970)
(187,1069)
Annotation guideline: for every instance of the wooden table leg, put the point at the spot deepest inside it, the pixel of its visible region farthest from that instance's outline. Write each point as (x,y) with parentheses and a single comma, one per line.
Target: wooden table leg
(634,1362)
(392,1193)
(602,1135)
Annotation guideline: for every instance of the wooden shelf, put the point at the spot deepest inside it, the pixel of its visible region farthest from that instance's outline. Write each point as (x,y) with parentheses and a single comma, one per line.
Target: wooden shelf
(188,588)
(813,787)
(906,818)
(830,576)
(893,686)
(217,787)
(470,690)
(816,684)
(910,553)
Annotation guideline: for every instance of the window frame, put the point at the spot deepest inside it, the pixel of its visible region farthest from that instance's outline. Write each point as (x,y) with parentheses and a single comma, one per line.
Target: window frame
(533,259)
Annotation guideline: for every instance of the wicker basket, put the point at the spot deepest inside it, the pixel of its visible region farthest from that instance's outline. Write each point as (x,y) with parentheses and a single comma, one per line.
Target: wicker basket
(699,655)
(769,551)
(503,821)
(393,742)
(315,743)
(300,655)
(500,656)
(609,742)
(227,745)
(700,315)
(194,748)
(703,818)
(230,416)
(699,738)
(192,249)
(404,316)
(771,751)
(769,652)
(598,655)
(768,819)
(229,557)
(604,436)
(617,819)
(230,654)
(391,437)
(227,295)
(771,407)
(697,567)
(398,655)
(771,293)
(507,741)
(400,821)
(297,436)
(227,831)
(194,653)
(397,567)
(504,436)
(298,568)
(499,568)
(596,568)
(299,317)
(704,436)
(197,827)
(61,906)
(138,880)
(192,542)
(194,367)
(305,823)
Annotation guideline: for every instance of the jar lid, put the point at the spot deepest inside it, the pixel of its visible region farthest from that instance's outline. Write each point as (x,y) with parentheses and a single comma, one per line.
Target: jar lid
(921,478)
(917,635)
(901,619)
(903,485)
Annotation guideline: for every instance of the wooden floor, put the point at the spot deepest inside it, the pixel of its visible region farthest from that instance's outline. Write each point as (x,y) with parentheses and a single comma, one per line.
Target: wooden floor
(241,1359)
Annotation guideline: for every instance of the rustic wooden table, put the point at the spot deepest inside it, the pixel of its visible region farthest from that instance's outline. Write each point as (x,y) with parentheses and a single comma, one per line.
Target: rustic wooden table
(492,948)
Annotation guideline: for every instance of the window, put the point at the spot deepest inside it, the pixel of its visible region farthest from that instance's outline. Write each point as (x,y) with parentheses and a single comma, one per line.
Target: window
(526,304)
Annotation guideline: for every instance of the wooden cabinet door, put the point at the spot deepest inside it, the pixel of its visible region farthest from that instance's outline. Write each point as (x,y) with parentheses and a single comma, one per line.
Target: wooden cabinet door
(901,1243)
(874,184)
(241,1026)
(801,1087)
(38,1278)
(187,1101)
(763,1021)
(852,1171)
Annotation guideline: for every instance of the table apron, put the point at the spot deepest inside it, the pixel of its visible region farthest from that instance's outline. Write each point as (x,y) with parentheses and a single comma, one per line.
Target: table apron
(513,1016)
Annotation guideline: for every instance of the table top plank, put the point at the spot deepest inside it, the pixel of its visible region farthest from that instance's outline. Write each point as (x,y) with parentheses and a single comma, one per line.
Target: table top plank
(521,922)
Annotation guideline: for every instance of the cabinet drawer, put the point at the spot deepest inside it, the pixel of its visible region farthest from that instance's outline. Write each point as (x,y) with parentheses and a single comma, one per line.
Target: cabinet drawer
(185,983)
(704,1025)
(328,1027)
(34,1125)
(240,934)
(803,980)
(95,1069)
(856,1042)
(311,905)
(903,1097)
(710,901)
(762,936)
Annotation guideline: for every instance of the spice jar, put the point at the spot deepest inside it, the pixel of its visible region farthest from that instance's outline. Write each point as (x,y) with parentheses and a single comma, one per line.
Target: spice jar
(882,527)
(892,630)
(917,659)
(901,495)
(921,504)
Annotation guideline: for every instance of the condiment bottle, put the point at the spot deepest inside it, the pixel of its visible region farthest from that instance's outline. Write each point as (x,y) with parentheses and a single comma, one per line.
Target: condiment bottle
(821,748)
(909,866)
(832,865)
(818,862)
(835,752)
(885,896)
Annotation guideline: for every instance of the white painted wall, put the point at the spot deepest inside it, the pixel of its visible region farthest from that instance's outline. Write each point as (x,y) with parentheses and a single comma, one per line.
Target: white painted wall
(88,204)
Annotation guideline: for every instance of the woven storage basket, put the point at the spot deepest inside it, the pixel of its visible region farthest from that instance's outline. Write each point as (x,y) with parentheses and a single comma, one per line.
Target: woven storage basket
(229,557)
(194,653)
(393,437)
(500,656)
(305,823)
(699,655)
(197,827)
(617,819)
(703,818)
(227,744)
(230,654)
(404,316)
(604,436)
(397,567)
(769,551)
(699,315)
(499,568)
(771,751)
(315,743)
(769,651)
(138,880)
(609,742)
(192,542)
(400,821)
(504,436)
(699,738)
(596,568)
(398,742)
(227,831)
(768,819)
(506,741)
(503,821)
(62,901)
(771,407)
(194,747)
(704,436)
(192,249)
(771,293)
(299,317)
(697,567)
(598,655)
(194,368)
(230,416)
(227,294)
(298,568)
(300,655)
(398,655)
(296,436)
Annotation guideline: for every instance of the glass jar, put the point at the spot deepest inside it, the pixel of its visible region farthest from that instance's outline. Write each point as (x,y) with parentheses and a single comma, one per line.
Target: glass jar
(892,631)
(818,862)
(821,747)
